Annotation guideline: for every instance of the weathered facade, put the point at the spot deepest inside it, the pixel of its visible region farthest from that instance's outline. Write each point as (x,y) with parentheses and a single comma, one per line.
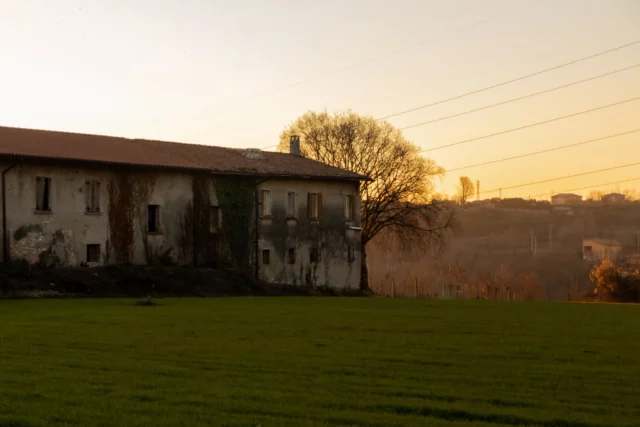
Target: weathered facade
(279,216)
(613,198)
(600,249)
(566,199)
(310,248)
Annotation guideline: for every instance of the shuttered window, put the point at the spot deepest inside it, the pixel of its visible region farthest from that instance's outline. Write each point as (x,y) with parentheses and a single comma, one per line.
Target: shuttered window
(314,205)
(291,204)
(92,196)
(265,203)
(349,210)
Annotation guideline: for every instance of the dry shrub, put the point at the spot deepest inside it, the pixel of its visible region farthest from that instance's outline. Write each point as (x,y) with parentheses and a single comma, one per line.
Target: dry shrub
(616,281)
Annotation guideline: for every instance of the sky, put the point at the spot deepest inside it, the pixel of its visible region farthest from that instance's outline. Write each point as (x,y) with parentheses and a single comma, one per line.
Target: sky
(236,73)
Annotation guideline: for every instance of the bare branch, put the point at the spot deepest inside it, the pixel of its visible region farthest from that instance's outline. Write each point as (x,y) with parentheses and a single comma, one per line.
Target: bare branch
(399,197)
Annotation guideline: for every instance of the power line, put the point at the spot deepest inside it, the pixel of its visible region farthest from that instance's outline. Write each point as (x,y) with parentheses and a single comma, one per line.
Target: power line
(520,156)
(529,126)
(389,53)
(562,177)
(383,55)
(521,98)
(512,80)
(590,186)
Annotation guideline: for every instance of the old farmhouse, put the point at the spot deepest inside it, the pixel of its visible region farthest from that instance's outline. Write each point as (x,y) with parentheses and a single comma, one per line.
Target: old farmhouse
(86,200)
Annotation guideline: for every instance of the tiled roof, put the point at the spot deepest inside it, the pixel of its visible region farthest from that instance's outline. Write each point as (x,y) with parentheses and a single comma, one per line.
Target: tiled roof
(140,152)
(606,242)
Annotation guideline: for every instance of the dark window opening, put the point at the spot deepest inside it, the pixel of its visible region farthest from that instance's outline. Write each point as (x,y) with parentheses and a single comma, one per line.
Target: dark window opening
(43,194)
(92,196)
(266,256)
(314,255)
(153,218)
(291,255)
(214,225)
(93,253)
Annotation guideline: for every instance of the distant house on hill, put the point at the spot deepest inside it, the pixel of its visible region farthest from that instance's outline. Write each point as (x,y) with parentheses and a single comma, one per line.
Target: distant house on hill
(600,249)
(566,199)
(613,198)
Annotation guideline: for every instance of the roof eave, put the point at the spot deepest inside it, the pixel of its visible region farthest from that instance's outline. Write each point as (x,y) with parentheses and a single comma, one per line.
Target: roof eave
(355,177)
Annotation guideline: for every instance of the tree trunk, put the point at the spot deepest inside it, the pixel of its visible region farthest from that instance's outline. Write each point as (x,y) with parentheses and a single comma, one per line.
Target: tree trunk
(364,270)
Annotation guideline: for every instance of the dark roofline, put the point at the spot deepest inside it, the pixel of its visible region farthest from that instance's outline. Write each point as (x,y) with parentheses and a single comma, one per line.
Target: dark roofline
(29,159)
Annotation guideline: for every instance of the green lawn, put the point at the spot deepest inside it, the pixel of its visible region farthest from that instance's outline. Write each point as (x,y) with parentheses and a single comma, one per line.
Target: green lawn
(318,361)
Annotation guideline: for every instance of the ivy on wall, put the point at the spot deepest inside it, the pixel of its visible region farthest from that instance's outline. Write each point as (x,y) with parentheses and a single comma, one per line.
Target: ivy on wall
(236,196)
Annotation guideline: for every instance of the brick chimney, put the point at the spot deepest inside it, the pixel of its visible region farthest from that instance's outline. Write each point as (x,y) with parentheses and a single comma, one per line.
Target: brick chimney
(294,145)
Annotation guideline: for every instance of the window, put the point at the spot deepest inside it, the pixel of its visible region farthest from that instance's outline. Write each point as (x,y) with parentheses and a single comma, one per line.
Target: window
(93,253)
(291,255)
(153,218)
(92,196)
(349,212)
(314,205)
(291,204)
(265,203)
(351,253)
(214,219)
(266,256)
(43,194)
(314,255)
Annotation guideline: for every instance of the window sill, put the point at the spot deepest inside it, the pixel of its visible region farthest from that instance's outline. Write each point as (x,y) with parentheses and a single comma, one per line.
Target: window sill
(266,217)
(292,218)
(93,213)
(40,212)
(154,233)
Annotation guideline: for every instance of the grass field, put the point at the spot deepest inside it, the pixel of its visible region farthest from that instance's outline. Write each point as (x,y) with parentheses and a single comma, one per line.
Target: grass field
(318,361)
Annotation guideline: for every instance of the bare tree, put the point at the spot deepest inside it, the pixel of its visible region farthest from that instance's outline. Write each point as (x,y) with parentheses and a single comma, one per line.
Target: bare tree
(398,196)
(465,189)
(631,194)
(596,195)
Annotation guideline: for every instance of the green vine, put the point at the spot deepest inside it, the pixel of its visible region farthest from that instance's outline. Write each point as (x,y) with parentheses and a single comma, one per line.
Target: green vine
(236,199)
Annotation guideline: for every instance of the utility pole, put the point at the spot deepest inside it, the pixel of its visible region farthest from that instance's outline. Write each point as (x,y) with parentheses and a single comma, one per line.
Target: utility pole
(531,236)
(534,242)
(478,190)
(501,193)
